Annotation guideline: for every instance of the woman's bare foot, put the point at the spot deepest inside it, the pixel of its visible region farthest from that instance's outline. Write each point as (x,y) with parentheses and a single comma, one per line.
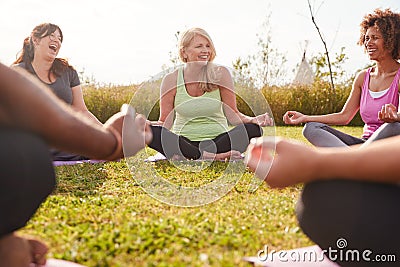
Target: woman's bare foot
(230,155)
(38,251)
(20,252)
(178,157)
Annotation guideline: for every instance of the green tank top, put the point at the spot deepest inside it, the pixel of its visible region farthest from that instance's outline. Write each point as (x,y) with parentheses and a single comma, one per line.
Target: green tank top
(198,118)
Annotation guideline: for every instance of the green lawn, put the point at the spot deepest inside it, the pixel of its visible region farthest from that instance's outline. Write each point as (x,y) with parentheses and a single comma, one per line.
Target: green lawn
(100,216)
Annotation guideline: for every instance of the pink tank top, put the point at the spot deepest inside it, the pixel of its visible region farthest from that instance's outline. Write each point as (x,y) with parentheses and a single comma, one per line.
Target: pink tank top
(369,106)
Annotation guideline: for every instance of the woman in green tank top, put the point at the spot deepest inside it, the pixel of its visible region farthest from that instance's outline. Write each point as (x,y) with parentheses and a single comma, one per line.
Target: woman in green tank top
(197,101)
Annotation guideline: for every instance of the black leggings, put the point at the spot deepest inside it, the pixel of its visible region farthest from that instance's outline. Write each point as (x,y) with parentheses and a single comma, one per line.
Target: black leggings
(27,178)
(365,214)
(170,144)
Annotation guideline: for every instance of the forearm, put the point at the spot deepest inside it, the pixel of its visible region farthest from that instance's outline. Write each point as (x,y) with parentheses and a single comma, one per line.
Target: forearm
(330,119)
(236,118)
(164,120)
(30,106)
(157,123)
(377,162)
(92,117)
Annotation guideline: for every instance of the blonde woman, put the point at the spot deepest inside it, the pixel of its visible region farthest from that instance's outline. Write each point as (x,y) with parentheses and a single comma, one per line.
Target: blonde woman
(196,103)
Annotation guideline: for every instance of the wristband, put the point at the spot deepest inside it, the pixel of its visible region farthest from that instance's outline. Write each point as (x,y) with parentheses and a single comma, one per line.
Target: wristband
(116,154)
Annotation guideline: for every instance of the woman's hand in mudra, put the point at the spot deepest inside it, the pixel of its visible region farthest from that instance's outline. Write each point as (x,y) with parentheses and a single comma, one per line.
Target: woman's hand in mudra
(263,120)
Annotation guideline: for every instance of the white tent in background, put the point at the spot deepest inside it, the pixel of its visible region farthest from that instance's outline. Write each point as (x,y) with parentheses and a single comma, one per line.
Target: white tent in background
(305,74)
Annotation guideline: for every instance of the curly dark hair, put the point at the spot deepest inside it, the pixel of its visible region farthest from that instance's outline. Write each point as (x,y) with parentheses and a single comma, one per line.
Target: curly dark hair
(388,23)
(27,53)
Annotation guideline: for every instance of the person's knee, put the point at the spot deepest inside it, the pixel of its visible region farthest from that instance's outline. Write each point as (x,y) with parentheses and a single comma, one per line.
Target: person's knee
(27,160)
(320,208)
(253,130)
(27,165)
(310,127)
(42,176)
(359,212)
(308,207)
(389,129)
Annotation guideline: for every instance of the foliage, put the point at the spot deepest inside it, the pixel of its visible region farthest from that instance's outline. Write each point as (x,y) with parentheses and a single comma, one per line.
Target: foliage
(321,69)
(328,60)
(146,99)
(105,101)
(312,100)
(266,67)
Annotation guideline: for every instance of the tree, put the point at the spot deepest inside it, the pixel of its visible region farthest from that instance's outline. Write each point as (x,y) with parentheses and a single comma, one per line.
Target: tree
(173,55)
(266,67)
(335,71)
(328,62)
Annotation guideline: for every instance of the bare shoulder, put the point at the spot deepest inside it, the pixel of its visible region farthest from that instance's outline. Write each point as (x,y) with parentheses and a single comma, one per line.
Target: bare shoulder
(169,82)
(225,78)
(359,79)
(223,71)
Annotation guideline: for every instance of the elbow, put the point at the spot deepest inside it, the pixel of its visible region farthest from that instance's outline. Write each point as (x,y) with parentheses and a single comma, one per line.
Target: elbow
(234,121)
(343,122)
(345,118)
(347,121)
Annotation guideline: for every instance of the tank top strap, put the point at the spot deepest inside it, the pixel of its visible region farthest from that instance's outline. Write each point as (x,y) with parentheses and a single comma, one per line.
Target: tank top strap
(396,79)
(365,86)
(180,81)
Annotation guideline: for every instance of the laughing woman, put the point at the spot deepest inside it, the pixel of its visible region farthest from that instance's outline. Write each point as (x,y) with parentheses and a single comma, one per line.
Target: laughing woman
(200,95)
(39,57)
(375,91)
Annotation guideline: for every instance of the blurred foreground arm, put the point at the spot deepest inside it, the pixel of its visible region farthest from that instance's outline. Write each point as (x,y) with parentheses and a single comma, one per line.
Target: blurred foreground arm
(28,105)
(295,162)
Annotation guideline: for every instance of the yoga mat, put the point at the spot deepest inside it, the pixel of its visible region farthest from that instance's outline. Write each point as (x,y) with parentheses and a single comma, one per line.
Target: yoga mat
(58,263)
(155,158)
(299,257)
(74,162)
(160,157)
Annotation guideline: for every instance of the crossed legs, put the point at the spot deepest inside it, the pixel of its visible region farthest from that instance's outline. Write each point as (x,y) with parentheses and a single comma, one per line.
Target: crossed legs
(171,144)
(27,178)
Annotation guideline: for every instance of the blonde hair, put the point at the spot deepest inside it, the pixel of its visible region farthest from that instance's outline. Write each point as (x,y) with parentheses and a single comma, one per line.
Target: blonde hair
(209,77)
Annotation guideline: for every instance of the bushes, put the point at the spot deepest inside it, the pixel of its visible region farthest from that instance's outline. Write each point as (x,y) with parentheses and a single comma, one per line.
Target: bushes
(314,99)
(104,101)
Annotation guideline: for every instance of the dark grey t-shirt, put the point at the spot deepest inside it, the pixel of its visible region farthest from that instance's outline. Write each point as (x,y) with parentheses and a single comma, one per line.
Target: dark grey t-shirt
(63,85)
(62,88)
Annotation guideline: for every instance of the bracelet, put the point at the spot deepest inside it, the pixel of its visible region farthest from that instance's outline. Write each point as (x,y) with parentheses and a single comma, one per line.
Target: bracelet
(116,154)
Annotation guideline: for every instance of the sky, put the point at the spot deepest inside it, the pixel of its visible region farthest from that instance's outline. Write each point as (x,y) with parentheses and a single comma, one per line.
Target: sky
(128,42)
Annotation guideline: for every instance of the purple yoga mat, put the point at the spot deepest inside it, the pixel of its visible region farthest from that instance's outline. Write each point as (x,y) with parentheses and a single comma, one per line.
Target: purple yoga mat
(73,162)
(58,263)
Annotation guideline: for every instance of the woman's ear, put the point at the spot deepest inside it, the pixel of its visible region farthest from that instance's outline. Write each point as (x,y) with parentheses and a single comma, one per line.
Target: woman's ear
(35,41)
(184,56)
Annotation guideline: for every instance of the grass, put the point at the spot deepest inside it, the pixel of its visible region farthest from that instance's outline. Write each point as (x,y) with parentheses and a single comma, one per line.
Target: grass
(100,216)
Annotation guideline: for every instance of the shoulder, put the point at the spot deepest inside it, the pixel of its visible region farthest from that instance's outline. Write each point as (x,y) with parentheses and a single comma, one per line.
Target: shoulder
(72,70)
(21,65)
(68,73)
(223,71)
(169,81)
(224,78)
(359,78)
